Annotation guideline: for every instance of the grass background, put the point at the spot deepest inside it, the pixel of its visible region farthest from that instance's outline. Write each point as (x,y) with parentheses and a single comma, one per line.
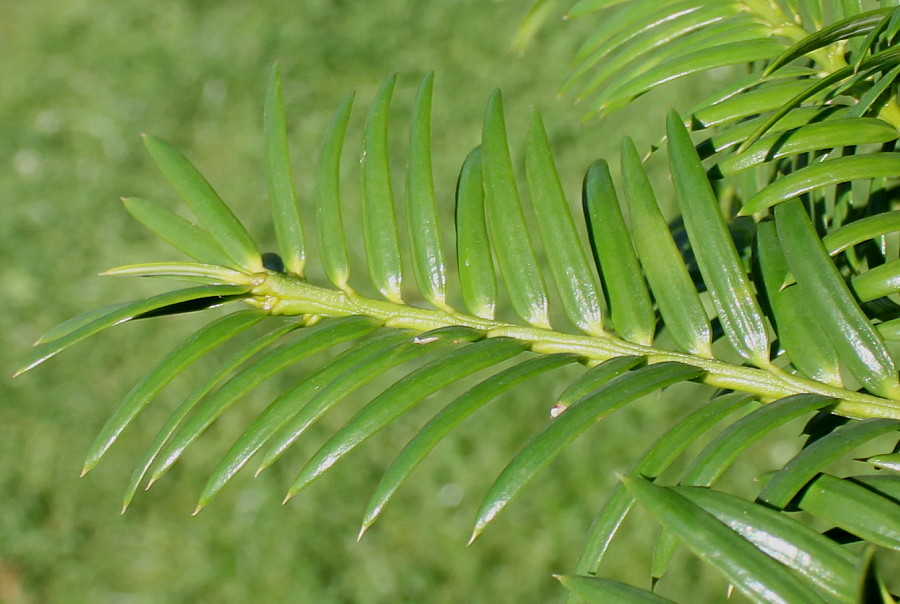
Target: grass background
(81,80)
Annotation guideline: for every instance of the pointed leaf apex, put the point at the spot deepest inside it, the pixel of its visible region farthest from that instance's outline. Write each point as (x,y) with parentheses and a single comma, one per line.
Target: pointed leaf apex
(287,498)
(362,531)
(197,510)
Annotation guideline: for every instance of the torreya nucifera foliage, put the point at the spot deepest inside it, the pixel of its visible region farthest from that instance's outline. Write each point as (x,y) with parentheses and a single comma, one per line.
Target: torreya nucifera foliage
(794,322)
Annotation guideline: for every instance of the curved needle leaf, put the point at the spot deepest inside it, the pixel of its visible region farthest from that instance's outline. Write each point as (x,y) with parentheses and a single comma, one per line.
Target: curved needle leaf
(509,235)
(379,220)
(205,203)
(855,509)
(823,174)
(885,484)
(577,284)
(178,232)
(450,417)
(598,590)
(822,135)
(722,269)
(657,34)
(799,332)
(75,330)
(703,60)
(203,273)
(473,248)
(861,230)
(287,406)
(755,574)
(873,64)
(788,481)
(77,322)
(285,212)
(677,298)
(629,301)
(421,211)
(547,444)
(888,461)
(815,557)
(359,374)
(658,456)
(329,223)
(308,343)
(585,7)
(402,396)
(857,343)
(203,341)
(749,102)
(595,377)
(857,25)
(877,282)
(719,454)
(203,387)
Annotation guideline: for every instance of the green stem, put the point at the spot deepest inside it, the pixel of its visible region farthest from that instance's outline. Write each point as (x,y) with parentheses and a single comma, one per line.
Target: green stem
(281,294)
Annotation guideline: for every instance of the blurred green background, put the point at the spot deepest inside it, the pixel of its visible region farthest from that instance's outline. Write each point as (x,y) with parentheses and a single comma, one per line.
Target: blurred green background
(80,80)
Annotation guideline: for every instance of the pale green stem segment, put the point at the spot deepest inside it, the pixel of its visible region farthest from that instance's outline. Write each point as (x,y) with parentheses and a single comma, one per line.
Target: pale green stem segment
(329,222)
(285,211)
(285,295)
(722,269)
(421,210)
(205,203)
(577,283)
(477,279)
(379,221)
(509,235)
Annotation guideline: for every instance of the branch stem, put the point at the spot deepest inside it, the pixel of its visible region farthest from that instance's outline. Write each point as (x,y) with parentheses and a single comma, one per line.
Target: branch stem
(282,294)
